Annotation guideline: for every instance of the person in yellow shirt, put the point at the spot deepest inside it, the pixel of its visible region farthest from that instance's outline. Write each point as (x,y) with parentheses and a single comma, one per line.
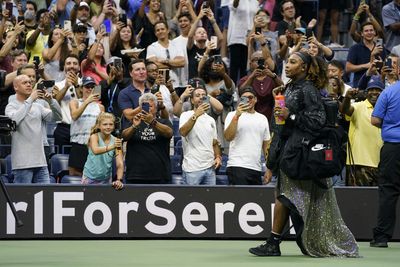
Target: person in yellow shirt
(36,40)
(365,140)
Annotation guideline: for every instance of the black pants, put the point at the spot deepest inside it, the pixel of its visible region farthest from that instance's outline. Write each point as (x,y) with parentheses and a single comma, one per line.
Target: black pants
(243,176)
(238,62)
(62,138)
(389,190)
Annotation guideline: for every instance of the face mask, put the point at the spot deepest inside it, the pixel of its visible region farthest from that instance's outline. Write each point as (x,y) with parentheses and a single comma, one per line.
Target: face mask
(29,15)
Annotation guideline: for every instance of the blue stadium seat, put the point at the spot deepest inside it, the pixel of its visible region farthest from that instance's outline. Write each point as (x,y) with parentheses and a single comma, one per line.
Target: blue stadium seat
(177,179)
(178,148)
(59,165)
(176,164)
(175,127)
(8,170)
(70,179)
(50,127)
(222,169)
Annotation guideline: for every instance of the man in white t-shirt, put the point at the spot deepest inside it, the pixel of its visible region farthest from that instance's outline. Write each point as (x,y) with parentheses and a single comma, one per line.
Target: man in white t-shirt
(248,133)
(201,151)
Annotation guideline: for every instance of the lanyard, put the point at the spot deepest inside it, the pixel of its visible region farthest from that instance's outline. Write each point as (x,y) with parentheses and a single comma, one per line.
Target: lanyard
(111,98)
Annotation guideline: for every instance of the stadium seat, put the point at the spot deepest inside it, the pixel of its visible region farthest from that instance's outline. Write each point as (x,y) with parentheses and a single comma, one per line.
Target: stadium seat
(8,170)
(70,179)
(176,164)
(59,165)
(222,169)
(177,179)
(178,148)
(175,127)
(50,127)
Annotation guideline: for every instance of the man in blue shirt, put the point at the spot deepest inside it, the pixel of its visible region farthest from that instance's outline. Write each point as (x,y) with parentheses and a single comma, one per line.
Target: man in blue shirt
(128,99)
(387,116)
(362,54)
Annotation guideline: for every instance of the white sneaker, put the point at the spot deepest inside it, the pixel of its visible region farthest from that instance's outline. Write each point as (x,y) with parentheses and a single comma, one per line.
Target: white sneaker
(335,45)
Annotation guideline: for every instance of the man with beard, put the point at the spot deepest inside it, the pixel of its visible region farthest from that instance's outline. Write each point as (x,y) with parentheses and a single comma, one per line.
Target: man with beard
(364,139)
(36,40)
(197,39)
(67,90)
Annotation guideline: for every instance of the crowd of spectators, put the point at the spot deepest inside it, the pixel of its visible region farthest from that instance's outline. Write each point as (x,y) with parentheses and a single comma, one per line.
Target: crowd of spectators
(211,65)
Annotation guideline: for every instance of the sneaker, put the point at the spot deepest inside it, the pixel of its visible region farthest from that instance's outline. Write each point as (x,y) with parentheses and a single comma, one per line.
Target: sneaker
(378,244)
(266,249)
(335,45)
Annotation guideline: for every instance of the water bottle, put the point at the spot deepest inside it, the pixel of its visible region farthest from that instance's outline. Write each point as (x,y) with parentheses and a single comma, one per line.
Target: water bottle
(279,102)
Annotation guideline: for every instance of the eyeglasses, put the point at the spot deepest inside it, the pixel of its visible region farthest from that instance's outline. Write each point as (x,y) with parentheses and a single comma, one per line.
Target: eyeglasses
(256,59)
(168,55)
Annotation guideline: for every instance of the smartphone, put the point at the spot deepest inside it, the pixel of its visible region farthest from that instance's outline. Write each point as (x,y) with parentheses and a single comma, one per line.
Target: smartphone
(309,33)
(97,90)
(218,59)
(205,5)
(9,7)
(117,63)
(261,64)
(194,83)
(166,75)
(23,4)
(48,83)
(154,89)
(214,39)
(123,19)
(379,41)
(378,64)
(206,100)
(258,30)
(388,63)
(244,100)
(146,106)
(107,25)
(36,61)
(67,25)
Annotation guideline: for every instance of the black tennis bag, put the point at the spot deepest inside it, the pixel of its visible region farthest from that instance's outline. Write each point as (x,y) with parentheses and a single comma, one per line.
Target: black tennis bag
(313,158)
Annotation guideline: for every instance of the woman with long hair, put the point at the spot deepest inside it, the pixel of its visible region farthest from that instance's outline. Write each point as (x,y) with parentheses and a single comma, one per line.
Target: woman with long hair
(320,229)
(56,52)
(95,64)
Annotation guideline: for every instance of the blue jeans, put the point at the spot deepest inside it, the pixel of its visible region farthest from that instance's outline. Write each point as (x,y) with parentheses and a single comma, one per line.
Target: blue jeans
(206,177)
(38,175)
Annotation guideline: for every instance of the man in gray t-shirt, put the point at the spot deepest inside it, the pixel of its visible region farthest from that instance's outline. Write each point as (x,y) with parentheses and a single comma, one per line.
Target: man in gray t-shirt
(27,152)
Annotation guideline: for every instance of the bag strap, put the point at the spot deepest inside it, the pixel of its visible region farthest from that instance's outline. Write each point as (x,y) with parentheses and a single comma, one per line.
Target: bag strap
(352,166)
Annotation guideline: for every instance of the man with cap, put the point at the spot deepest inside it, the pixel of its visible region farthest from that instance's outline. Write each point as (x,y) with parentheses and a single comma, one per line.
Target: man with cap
(201,151)
(84,113)
(365,140)
(386,115)
(82,14)
(248,134)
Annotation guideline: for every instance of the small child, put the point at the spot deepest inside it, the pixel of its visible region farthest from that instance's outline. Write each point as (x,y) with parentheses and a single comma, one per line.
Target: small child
(103,148)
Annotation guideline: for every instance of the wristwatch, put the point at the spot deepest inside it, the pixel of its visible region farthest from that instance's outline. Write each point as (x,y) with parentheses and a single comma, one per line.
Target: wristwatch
(193,118)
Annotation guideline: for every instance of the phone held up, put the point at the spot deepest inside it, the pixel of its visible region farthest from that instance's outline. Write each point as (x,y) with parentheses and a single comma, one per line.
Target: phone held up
(146,107)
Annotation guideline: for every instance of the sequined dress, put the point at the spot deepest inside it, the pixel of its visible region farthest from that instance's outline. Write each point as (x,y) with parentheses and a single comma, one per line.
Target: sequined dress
(320,229)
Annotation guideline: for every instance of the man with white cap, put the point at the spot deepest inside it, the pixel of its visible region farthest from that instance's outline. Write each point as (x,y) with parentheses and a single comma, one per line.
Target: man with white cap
(365,140)
(82,14)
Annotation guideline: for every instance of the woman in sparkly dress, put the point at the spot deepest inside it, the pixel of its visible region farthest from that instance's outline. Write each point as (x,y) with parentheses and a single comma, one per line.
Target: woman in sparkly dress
(320,229)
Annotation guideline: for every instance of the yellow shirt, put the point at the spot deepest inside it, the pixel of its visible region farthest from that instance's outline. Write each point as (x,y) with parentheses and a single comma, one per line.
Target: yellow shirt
(365,139)
(36,50)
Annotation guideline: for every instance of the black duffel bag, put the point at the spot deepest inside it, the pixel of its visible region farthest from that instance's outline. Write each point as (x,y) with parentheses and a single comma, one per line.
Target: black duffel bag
(307,157)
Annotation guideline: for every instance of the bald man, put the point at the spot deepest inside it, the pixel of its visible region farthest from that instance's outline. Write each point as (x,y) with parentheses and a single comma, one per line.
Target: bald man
(27,152)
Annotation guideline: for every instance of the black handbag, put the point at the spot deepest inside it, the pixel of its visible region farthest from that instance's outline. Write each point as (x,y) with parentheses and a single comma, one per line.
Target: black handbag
(306,157)
(7,125)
